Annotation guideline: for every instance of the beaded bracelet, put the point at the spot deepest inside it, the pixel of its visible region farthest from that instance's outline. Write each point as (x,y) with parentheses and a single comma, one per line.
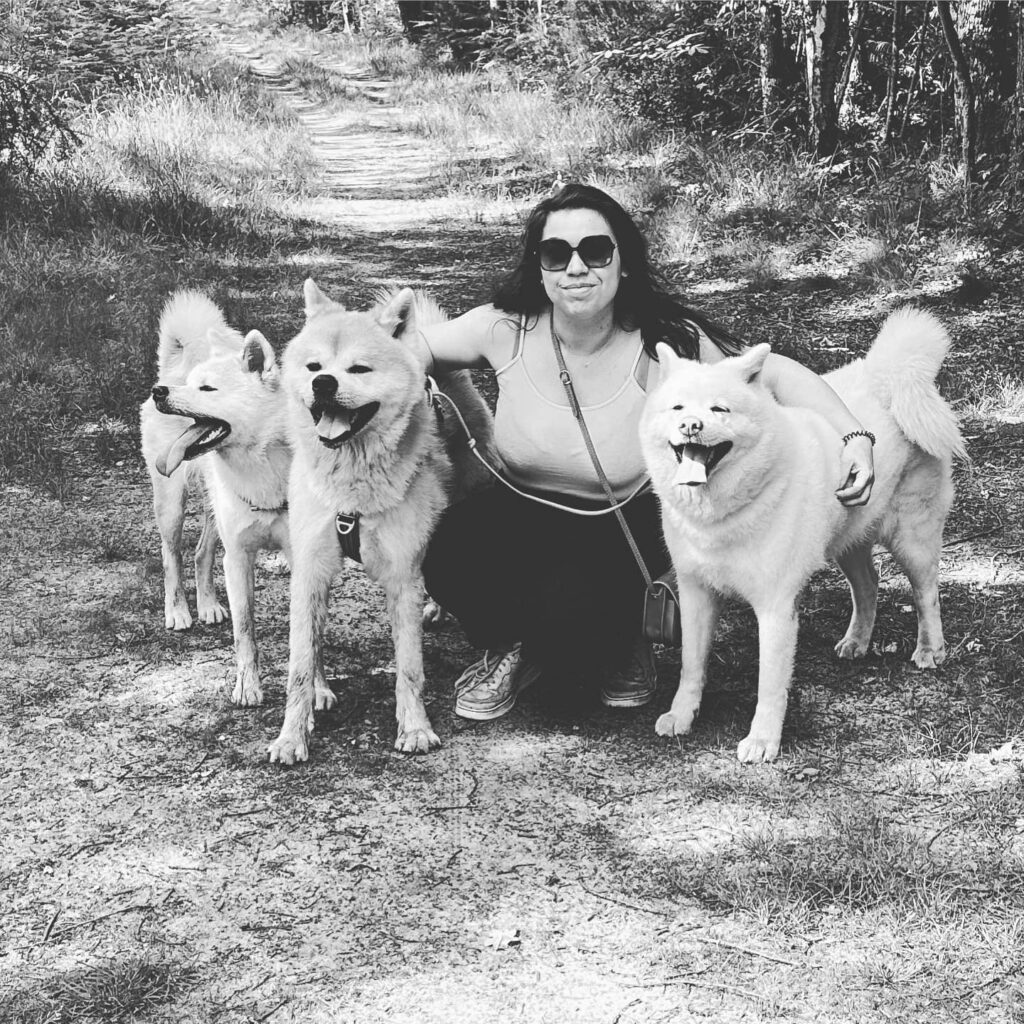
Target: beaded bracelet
(859,433)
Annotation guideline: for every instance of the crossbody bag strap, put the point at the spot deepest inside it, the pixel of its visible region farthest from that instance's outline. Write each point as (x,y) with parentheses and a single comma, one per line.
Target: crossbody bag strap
(577,411)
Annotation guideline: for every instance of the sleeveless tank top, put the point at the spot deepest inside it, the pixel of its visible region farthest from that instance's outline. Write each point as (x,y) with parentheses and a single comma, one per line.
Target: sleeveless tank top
(540,441)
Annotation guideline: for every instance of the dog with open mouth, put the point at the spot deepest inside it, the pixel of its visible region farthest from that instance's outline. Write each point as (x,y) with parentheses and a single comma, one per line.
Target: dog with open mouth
(192,328)
(747,491)
(224,416)
(375,465)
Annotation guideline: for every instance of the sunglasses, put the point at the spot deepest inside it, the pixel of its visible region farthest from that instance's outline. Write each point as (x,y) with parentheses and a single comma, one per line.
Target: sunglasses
(594,250)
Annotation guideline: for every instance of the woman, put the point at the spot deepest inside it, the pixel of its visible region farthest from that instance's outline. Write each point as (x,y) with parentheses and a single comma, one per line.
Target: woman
(556,590)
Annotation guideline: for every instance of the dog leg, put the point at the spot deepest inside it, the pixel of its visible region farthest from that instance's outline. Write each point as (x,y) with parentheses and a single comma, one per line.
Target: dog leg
(169,495)
(776,629)
(316,561)
(915,540)
(405,604)
(209,608)
(240,581)
(859,567)
(698,610)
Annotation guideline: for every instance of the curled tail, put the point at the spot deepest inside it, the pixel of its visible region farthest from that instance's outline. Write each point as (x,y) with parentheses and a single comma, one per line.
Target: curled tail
(904,362)
(186,323)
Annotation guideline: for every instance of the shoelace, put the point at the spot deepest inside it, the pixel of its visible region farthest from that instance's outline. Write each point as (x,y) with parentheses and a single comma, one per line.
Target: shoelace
(485,669)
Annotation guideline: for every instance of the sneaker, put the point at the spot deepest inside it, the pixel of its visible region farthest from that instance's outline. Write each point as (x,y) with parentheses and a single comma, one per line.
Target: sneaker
(634,685)
(489,687)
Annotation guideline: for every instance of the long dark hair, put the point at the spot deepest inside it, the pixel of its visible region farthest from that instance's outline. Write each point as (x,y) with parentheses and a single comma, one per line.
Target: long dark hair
(642,300)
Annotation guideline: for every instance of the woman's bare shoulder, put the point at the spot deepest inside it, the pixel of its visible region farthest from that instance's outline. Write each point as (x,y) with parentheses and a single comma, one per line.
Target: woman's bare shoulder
(479,337)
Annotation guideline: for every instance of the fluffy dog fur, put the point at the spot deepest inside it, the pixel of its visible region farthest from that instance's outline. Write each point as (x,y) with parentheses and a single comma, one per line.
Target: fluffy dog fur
(220,404)
(762,516)
(192,328)
(367,441)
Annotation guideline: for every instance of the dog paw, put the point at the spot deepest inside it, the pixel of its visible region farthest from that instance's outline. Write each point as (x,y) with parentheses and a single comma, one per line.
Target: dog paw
(417,741)
(247,692)
(433,614)
(672,724)
(212,612)
(756,749)
(178,617)
(323,697)
(291,746)
(926,657)
(850,648)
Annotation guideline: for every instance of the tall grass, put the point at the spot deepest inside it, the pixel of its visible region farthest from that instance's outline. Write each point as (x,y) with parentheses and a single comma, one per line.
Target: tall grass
(198,156)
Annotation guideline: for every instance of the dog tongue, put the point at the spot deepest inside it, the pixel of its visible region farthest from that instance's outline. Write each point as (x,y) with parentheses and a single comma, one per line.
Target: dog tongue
(333,425)
(693,465)
(172,458)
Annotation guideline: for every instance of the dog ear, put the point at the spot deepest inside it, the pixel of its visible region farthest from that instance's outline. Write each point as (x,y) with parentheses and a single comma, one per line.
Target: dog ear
(257,355)
(667,359)
(751,363)
(316,301)
(398,315)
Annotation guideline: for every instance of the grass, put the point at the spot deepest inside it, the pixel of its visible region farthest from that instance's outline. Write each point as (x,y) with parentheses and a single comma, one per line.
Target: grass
(195,158)
(114,991)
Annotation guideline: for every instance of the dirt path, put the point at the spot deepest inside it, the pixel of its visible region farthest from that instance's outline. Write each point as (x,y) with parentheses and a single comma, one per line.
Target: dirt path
(557,865)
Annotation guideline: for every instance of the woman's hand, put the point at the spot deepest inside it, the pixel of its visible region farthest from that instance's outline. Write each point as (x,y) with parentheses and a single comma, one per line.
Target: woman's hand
(858,468)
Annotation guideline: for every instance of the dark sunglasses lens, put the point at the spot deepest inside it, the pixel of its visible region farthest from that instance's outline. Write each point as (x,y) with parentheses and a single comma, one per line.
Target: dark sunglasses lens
(555,253)
(596,250)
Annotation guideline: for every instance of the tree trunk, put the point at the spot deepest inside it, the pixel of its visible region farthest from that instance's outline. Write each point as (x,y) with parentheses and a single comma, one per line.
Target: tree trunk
(771,50)
(964,91)
(822,22)
(1017,162)
(890,82)
(851,69)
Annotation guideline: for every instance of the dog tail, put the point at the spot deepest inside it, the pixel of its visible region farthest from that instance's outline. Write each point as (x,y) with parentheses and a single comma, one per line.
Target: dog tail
(904,362)
(187,319)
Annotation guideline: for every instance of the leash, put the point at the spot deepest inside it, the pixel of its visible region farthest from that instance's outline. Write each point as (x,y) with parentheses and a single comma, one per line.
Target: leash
(471,442)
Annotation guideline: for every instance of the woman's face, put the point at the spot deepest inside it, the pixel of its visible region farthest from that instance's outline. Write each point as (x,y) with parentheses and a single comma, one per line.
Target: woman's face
(579,290)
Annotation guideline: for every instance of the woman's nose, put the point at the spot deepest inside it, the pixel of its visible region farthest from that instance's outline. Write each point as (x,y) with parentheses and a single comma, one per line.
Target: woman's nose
(576,265)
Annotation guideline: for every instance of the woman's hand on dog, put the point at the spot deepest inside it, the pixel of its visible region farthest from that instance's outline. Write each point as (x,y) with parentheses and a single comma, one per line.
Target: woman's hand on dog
(858,472)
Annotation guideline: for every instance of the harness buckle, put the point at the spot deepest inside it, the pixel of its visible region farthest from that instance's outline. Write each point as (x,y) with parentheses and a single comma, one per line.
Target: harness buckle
(345,523)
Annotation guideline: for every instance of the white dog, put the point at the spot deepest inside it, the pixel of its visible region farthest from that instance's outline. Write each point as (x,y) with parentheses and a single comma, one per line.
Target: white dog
(749,509)
(369,445)
(219,403)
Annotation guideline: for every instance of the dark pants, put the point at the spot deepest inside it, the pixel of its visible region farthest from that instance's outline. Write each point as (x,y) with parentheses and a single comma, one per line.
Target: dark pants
(565,585)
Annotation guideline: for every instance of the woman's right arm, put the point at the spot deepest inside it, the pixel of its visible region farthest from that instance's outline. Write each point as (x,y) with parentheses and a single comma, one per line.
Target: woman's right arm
(482,337)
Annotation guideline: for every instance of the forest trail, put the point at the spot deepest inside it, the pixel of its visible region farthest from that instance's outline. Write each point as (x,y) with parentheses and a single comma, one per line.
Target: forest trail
(376,174)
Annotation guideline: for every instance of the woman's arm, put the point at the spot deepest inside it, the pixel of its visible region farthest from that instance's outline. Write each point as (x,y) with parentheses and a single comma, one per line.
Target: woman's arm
(475,339)
(794,384)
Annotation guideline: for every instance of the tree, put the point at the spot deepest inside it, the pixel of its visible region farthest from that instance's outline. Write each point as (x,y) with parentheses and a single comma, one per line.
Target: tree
(822,24)
(964,95)
(773,55)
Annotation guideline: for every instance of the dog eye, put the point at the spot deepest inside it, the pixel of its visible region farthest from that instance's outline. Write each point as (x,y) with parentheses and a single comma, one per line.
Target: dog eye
(677,408)
(719,408)
(313,367)
(206,387)
(359,368)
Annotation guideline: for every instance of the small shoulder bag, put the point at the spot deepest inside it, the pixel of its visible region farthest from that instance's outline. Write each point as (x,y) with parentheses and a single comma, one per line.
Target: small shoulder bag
(660,623)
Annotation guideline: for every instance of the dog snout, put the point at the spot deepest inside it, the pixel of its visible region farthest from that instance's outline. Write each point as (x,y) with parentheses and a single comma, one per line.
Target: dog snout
(690,426)
(325,386)
(160,392)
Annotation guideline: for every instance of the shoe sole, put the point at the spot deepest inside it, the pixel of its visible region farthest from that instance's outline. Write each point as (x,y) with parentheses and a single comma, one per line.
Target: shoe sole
(639,701)
(485,716)
(501,709)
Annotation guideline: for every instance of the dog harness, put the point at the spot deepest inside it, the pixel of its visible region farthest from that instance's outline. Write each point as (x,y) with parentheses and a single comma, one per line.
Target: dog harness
(346,524)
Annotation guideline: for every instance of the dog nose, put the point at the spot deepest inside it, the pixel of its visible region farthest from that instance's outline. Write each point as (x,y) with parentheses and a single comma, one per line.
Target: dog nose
(160,392)
(325,386)
(690,426)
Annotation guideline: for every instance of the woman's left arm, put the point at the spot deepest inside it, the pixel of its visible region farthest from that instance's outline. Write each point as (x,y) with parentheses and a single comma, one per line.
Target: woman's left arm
(793,384)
